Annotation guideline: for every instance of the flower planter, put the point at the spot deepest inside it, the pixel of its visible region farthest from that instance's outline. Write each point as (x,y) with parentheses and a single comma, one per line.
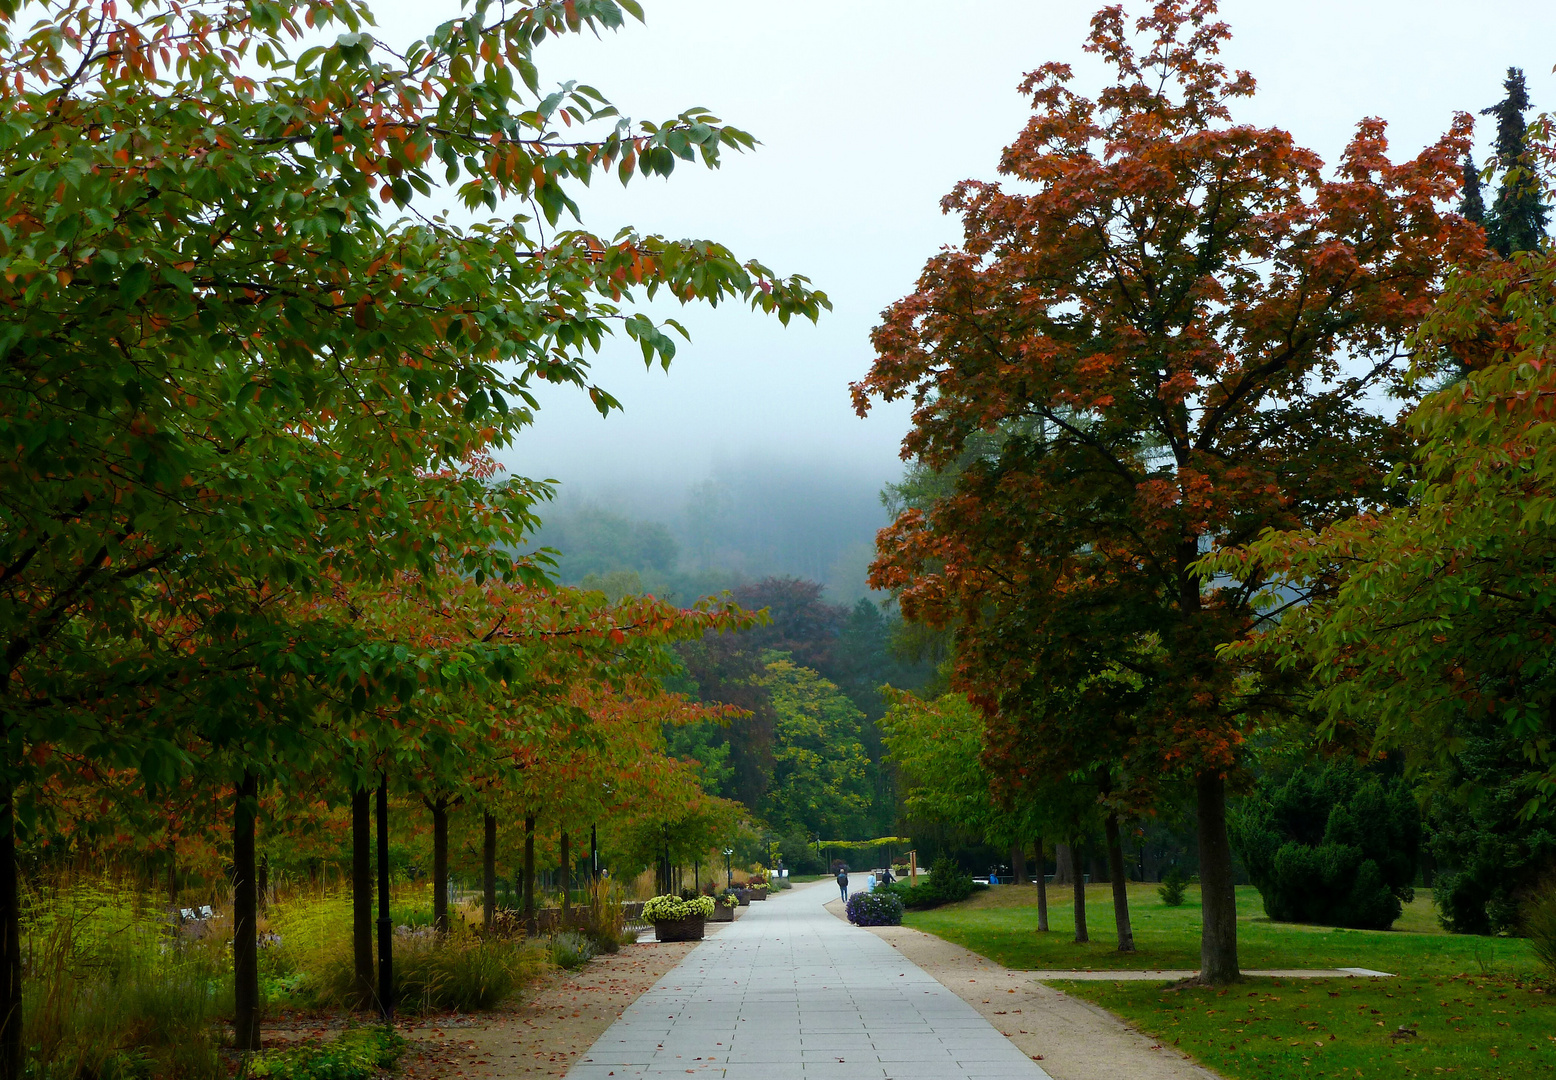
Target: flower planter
(759,894)
(687,929)
(723,914)
(745,897)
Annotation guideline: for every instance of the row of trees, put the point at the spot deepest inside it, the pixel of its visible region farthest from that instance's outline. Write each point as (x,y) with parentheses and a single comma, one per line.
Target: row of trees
(1152,494)
(252,544)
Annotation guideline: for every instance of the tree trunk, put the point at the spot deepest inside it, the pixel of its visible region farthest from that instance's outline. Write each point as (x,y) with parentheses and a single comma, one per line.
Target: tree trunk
(385,922)
(488,871)
(440,864)
(245,911)
(362,898)
(1018,865)
(1126,933)
(1080,894)
(12,1060)
(1218,896)
(567,881)
(1042,888)
(1064,865)
(527,899)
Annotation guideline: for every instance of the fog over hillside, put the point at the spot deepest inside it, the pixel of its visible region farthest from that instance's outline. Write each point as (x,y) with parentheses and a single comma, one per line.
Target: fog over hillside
(741,521)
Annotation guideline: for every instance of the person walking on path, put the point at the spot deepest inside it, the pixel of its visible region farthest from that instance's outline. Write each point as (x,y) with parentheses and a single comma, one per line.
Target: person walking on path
(842,882)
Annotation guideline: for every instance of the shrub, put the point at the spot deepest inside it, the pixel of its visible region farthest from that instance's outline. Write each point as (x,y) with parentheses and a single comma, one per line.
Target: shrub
(572,950)
(357,1054)
(1332,845)
(946,884)
(728,898)
(673,908)
(1540,926)
(1171,890)
(879,908)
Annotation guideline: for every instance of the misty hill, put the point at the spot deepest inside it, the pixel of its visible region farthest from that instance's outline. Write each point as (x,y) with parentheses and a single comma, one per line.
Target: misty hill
(738,525)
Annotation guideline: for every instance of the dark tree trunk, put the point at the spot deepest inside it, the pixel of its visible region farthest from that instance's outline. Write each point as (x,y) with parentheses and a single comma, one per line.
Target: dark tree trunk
(1018,865)
(385,922)
(1042,888)
(12,1061)
(440,864)
(245,911)
(362,898)
(1080,895)
(527,900)
(1218,896)
(1126,933)
(1064,865)
(567,880)
(594,855)
(488,871)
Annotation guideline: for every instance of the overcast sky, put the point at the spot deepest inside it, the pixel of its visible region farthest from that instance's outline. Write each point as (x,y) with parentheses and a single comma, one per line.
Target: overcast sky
(868,111)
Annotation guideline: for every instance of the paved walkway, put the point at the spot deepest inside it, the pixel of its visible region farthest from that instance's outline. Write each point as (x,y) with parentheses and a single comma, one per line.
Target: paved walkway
(788,992)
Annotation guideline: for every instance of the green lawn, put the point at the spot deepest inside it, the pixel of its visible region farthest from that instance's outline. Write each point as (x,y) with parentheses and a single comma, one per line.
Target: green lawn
(1001,924)
(1270,1028)
(1475,1004)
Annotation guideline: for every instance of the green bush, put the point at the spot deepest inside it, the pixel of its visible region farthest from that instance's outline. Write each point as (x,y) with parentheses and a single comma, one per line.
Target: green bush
(1331,845)
(946,884)
(571,950)
(357,1054)
(1171,890)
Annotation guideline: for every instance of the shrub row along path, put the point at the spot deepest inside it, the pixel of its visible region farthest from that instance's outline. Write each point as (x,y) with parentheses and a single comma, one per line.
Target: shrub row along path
(789,992)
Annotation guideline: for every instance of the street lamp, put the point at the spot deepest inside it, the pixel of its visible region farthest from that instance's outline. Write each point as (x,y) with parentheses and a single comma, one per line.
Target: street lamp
(729,873)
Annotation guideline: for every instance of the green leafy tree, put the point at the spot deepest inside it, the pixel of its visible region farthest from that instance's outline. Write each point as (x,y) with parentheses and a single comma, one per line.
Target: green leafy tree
(245,362)
(821,773)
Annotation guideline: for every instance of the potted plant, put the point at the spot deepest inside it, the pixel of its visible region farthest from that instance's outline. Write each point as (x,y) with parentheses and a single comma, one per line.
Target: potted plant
(743,896)
(676,919)
(757,887)
(724,906)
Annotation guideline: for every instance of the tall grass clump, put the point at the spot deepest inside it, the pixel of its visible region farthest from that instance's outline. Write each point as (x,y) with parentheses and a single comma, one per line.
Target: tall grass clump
(605,922)
(462,970)
(112,989)
(1540,926)
(571,950)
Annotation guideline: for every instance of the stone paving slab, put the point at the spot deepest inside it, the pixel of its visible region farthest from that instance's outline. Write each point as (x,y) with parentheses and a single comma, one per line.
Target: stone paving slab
(788,992)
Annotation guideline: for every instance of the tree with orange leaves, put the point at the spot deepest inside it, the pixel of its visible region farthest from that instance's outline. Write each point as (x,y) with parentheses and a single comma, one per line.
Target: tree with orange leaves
(1166,331)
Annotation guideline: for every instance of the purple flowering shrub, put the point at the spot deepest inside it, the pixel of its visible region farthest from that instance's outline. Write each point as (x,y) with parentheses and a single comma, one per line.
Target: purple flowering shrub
(879,908)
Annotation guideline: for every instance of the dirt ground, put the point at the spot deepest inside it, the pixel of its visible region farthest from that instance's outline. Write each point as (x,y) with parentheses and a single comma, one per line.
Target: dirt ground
(1071,1039)
(539,1034)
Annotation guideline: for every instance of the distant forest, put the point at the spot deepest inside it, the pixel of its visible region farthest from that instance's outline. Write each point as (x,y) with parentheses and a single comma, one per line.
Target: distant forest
(808,762)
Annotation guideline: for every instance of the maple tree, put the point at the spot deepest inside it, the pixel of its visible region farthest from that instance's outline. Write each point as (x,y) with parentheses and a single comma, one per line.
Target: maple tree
(1166,328)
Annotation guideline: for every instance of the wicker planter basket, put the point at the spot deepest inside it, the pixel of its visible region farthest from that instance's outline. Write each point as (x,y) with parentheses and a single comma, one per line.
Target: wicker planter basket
(759,894)
(745,897)
(687,929)
(722,913)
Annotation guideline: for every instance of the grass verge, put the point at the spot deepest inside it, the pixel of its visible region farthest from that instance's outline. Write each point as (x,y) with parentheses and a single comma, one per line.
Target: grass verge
(1271,1029)
(1001,924)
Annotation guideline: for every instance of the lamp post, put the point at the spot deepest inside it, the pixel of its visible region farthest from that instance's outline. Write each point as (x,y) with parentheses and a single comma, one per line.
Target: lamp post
(729,872)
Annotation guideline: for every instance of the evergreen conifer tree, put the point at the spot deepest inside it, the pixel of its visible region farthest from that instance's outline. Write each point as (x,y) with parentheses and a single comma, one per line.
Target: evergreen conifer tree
(1473,204)
(1517,218)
